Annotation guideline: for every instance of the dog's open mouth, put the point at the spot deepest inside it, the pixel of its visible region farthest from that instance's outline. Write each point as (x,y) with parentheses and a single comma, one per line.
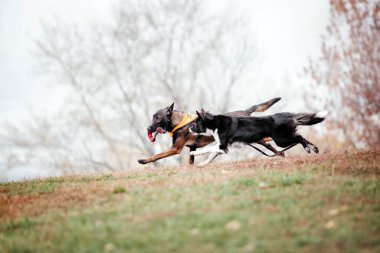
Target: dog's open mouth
(152,137)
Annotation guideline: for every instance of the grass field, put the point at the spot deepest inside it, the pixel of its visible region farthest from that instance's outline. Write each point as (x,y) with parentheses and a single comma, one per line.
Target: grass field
(322,203)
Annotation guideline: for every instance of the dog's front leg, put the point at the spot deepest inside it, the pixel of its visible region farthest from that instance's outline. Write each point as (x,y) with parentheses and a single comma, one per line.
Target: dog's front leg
(212,149)
(172,151)
(209,159)
(206,150)
(175,149)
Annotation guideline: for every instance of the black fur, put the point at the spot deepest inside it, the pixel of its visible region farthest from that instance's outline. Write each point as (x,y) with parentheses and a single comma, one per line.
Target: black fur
(281,127)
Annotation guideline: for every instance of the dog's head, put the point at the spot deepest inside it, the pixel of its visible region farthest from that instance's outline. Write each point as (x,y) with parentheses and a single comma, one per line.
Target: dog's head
(200,125)
(161,122)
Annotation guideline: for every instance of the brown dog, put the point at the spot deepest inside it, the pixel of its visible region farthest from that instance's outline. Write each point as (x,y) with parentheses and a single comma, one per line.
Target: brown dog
(178,124)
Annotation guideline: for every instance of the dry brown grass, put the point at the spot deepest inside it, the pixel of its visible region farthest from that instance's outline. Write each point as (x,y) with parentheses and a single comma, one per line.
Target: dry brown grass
(76,192)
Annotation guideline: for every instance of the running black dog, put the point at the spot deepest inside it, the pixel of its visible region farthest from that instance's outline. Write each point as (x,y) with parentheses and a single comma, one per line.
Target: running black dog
(281,127)
(177,123)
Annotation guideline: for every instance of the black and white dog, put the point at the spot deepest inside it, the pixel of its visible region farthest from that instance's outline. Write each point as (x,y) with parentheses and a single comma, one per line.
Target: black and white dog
(281,127)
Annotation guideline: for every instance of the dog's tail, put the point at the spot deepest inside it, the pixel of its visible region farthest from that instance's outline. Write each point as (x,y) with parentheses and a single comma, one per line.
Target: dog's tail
(310,118)
(262,107)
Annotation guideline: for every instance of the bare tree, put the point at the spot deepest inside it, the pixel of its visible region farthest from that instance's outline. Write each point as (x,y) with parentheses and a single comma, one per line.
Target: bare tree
(152,54)
(346,78)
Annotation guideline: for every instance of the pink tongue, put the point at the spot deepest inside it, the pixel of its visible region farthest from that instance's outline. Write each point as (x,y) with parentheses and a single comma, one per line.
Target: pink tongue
(150,136)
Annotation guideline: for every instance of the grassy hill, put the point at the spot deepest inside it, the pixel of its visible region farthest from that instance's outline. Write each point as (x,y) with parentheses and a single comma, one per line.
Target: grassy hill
(321,203)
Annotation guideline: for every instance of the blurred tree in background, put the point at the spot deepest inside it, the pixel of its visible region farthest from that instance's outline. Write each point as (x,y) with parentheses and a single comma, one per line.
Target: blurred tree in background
(346,79)
(153,53)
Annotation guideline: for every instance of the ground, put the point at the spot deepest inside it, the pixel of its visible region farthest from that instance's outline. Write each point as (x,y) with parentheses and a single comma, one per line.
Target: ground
(315,203)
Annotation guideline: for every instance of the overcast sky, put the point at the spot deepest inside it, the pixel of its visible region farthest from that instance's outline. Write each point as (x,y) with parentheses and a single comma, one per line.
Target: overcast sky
(286,33)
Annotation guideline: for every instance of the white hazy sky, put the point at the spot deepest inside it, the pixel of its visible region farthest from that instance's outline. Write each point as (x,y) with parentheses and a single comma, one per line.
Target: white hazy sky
(286,33)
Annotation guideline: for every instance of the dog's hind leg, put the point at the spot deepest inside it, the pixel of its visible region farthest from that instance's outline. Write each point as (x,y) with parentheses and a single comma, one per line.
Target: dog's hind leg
(312,146)
(290,141)
(288,147)
(306,144)
(271,148)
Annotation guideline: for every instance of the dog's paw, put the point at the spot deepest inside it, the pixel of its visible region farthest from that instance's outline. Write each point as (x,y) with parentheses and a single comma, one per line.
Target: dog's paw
(282,154)
(203,164)
(307,149)
(314,148)
(142,161)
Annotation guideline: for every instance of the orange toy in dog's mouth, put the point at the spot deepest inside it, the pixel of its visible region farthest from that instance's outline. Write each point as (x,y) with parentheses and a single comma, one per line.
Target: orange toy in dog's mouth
(152,137)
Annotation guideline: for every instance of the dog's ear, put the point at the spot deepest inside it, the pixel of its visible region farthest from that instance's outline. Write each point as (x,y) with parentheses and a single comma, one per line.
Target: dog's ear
(169,109)
(208,116)
(199,114)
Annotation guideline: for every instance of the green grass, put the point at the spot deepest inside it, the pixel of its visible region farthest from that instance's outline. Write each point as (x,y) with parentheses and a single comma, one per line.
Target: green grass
(236,207)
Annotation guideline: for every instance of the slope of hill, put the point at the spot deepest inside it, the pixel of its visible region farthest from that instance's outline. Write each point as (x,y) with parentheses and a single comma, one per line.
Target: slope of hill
(324,203)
